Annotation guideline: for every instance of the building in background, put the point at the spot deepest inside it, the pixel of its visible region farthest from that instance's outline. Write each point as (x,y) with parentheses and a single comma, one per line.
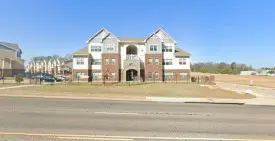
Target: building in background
(49,65)
(153,58)
(10,60)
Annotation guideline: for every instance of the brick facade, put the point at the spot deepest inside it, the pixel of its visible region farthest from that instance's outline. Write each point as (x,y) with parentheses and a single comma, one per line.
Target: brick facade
(109,68)
(85,71)
(176,75)
(153,68)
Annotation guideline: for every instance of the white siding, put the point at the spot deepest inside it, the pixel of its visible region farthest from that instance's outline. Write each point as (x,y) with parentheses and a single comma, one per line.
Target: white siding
(96,55)
(141,50)
(84,66)
(176,65)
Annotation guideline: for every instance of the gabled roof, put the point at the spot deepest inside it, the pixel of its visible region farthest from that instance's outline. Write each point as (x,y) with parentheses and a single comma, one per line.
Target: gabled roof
(97,34)
(11,46)
(109,35)
(160,29)
(181,53)
(154,33)
(82,51)
(122,39)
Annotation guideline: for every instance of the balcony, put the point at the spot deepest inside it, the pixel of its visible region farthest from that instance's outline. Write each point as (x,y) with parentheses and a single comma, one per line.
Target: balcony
(132,57)
(132,62)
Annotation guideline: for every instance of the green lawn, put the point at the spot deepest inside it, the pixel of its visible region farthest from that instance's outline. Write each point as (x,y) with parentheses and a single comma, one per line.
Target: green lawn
(153,89)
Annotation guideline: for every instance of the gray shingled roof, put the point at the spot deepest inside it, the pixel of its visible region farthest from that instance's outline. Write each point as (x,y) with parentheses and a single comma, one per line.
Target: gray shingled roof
(82,51)
(11,45)
(122,39)
(181,53)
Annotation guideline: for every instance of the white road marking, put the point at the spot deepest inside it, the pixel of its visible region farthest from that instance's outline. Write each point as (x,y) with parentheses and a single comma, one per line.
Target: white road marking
(117,113)
(126,137)
(87,138)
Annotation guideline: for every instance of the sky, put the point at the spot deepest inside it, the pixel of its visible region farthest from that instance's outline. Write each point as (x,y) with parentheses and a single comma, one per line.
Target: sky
(211,30)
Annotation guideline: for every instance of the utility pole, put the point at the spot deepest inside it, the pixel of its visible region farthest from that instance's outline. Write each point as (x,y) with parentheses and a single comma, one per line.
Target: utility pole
(3,65)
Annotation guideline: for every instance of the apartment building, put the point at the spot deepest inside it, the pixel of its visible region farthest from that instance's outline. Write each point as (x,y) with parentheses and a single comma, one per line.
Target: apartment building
(153,58)
(50,65)
(10,60)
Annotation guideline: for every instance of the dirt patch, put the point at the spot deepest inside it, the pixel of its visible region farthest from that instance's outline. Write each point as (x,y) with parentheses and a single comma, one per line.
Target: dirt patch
(264,81)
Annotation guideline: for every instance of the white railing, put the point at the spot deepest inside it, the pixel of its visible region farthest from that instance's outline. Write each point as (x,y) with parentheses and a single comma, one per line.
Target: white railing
(132,57)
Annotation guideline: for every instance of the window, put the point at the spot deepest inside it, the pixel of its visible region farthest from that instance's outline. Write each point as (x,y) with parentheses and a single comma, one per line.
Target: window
(150,75)
(183,76)
(156,61)
(156,76)
(167,48)
(113,76)
(96,76)
(95,48)
(107,61)
(168,75)
(167,62)
(153,47)
(96,61)
(110,47)
(80,61)
(182,61)
(150,61)
(79,75)
(113,61)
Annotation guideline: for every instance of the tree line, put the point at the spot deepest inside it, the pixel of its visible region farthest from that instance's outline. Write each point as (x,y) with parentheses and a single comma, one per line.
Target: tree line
(221,68)
(67,57)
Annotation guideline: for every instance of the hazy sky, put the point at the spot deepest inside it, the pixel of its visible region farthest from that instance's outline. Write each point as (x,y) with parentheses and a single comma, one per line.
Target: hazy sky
(211,30)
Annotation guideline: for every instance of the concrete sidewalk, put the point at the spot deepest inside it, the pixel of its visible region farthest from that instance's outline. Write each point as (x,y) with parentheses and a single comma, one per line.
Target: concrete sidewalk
(255,101)
(14,87)
(259,92)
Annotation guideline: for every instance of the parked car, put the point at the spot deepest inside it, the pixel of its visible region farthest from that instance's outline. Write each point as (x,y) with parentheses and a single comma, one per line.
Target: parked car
(60,78)
(48,79)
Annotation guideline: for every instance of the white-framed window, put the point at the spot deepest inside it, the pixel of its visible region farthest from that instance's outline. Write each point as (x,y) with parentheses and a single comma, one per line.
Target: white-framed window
(79,75)
(113,61)
(168,75)
(96,76)
(150,75)
(182,61)
(156,61)
(95,61)
(150,61)
(95,48)
(106,60)
(167,62)
(113,76)
(80,61)
(156,75)
(167,48)
(110,47)
(183,76)
(153,48)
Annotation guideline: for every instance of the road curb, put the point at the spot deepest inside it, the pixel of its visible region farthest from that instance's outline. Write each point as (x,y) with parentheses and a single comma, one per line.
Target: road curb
(229,103)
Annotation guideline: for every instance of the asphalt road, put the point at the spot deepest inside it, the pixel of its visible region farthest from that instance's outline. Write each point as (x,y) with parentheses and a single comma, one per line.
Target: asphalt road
(27,119)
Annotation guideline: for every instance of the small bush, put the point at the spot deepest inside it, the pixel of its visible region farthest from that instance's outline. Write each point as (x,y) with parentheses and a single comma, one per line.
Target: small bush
(193,79)
(19,78)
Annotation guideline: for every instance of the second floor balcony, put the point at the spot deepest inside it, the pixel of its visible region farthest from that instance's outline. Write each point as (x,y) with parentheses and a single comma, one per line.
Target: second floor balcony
(132,57)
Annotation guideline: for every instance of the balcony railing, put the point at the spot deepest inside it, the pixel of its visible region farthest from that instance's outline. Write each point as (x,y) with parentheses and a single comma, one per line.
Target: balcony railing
(132,57)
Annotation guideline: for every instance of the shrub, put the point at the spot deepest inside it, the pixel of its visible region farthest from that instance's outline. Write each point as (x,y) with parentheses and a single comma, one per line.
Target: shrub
(193,79)
(19,78)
